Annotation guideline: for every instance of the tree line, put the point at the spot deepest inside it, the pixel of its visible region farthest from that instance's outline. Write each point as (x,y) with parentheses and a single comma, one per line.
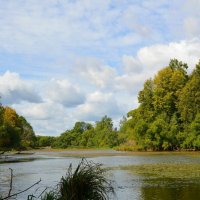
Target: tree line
(167,118)
(83,134)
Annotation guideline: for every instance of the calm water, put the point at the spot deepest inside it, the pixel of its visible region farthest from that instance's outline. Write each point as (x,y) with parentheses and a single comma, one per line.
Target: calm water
(50,167)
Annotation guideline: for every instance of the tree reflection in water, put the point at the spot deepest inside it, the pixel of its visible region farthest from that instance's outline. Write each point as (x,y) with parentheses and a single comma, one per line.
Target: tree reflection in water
(170,189)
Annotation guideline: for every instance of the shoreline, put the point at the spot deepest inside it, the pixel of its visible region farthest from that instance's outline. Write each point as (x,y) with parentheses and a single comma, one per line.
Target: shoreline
(92,153)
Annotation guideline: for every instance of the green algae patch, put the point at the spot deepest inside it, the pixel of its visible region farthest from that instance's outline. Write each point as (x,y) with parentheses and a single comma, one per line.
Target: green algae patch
(165,170)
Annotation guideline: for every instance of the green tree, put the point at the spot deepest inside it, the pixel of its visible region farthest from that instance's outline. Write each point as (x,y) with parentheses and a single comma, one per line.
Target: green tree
(167,109)
(11,126)
(44,141)
(15,131)
(28,138)
(167,86)
(189,98)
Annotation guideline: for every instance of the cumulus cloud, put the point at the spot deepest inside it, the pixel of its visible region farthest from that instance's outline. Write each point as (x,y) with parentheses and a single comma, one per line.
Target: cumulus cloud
(14,90)
(98,104)
(95,72)
(148,60)
(46,118)
(63,92)
(38,111)
(131,64)
(130,83)
(155,57)
(137,68)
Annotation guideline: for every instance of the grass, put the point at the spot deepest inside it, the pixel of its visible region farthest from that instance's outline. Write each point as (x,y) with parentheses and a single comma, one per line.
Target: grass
(87,182)
(165,170)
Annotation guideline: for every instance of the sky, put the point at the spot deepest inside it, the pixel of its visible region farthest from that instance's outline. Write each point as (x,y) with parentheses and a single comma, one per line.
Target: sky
(63,61)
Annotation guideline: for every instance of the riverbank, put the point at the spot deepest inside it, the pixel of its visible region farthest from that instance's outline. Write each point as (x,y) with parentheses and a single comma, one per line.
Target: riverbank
(107,151)
(98,151)
(23,156)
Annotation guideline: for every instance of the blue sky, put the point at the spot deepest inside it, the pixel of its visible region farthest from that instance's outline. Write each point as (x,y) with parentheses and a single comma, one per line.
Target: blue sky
(63,61)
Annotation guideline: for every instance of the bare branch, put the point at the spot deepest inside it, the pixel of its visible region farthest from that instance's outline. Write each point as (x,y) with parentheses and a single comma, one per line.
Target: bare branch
(42,192)
(22,190)
(11,179)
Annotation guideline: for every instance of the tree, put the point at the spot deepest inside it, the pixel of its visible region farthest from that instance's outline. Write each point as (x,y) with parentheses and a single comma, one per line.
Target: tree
(167,86)
(189,98)
(11,127)
(28,138)
(15,131)
(44,141)
(145,97)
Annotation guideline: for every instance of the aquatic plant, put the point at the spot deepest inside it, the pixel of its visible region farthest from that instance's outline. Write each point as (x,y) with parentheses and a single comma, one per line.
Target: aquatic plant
(88,181)
(166,170)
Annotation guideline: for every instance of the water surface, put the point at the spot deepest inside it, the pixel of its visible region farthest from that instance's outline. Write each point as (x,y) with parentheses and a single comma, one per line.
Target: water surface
(51,166)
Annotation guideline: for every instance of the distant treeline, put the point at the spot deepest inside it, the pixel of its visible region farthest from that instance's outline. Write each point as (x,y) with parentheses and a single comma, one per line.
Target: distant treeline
(167,118)
(83,134)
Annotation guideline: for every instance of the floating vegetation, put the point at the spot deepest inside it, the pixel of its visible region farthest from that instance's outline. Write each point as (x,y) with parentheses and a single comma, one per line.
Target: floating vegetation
(180,170)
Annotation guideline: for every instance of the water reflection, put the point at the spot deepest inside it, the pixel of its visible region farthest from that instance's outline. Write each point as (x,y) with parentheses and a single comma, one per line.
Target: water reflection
(50,167)
(170,189)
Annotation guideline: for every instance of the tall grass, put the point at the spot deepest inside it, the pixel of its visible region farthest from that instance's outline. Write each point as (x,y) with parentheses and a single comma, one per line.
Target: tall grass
(87,182)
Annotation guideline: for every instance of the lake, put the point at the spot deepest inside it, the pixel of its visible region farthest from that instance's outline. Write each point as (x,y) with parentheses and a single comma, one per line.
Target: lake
(51,166)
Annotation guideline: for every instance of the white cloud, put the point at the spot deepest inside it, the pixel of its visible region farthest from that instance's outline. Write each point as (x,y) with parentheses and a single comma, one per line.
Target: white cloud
(155,57)
(63,92)
(131,64)
(38,111)
(191,26)
(98,104)
(130,83)
(95,72)
(34,26)
(46,118)
(14,90)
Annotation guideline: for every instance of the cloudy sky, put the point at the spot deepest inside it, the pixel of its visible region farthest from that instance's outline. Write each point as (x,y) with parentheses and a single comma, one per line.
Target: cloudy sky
(63,61)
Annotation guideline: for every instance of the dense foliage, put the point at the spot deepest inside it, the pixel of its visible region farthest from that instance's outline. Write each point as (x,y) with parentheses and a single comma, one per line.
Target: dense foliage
(44,141)
(168,117)
(83,134)
(15,131)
